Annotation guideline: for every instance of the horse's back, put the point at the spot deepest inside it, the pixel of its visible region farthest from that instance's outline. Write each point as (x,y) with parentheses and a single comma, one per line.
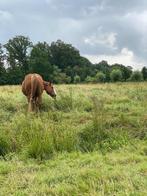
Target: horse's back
(32,84)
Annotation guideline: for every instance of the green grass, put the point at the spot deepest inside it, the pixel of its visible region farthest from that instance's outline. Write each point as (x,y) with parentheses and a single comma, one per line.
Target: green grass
(91,141)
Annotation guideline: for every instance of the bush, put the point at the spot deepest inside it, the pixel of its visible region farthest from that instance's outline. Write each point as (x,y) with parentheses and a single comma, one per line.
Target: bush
(62,78)
(77,79)
(136,76)
(116,75)
(89,79)
(100,77)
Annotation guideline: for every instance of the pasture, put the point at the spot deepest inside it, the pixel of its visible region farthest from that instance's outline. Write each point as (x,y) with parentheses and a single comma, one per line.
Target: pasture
(91,141)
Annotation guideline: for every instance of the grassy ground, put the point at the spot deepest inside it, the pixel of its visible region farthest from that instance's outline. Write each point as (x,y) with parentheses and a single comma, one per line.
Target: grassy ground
(90,141)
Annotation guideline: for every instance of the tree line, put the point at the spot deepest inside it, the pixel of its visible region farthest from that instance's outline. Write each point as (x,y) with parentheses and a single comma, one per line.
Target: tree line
(58,62)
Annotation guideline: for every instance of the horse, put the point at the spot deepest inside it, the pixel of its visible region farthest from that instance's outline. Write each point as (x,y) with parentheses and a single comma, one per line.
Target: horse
(33,87)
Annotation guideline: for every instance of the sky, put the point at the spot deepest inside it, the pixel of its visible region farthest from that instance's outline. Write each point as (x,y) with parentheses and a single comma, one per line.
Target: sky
(111,30)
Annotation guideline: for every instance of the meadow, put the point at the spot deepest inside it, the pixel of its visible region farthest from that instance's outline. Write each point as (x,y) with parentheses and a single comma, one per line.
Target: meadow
(91,140)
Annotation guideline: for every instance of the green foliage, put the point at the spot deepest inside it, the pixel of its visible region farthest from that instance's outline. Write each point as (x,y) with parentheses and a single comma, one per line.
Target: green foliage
(14,75)
(40,61)
(126,71)
(84,68)
(136,76)
(64,54)
(62,78)
(2,68)
(100,77)
(105,68)
(144,73)
(116,75)
(59,62)
(17,52)
(77,79)
(89,79)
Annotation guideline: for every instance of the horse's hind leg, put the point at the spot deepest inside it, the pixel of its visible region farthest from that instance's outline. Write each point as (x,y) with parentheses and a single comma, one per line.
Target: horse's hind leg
(38,102)
(29,104)
(36,105)
(32,104)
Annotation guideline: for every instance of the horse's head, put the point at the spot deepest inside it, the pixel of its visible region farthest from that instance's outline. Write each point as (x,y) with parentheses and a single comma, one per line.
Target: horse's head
(48,87)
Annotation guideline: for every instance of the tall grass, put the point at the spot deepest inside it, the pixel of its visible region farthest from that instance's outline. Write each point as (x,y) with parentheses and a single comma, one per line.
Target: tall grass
(98,133)
(43,134)
(81,119)
(90,141)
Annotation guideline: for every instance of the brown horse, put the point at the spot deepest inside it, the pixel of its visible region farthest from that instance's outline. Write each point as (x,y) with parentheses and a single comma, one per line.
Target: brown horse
(33,86)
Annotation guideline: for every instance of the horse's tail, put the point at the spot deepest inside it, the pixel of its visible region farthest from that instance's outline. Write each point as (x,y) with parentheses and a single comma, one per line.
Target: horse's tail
(32,103)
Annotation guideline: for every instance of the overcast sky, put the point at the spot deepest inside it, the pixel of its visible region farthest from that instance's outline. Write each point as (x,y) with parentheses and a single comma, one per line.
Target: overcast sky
(112,30)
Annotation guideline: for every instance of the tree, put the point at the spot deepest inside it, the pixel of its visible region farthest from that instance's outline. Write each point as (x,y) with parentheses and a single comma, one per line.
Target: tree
(64,55)
(63,78)
(84,68)
(2,68)
(14,75)
(126,71)
(105,68)
(100,77)
(144,73)
(17,52)
(60,77)
(116,75)
(40,61)
(136,76)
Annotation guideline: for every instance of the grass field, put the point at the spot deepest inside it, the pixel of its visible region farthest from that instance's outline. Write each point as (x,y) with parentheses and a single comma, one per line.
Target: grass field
(91,141)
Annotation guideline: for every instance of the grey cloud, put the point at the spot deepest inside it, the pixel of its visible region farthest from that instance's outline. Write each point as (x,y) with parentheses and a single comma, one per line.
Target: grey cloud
(77,21)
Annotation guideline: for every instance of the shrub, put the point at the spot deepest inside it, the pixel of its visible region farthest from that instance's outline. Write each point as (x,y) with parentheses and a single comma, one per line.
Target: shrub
(136,76)
(100,77)
(89,79)
(62,78)
(77,79)
(116,75)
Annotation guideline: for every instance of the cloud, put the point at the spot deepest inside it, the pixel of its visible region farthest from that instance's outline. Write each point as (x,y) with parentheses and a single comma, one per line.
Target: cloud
(101,38)
(96,27)
(125,57)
